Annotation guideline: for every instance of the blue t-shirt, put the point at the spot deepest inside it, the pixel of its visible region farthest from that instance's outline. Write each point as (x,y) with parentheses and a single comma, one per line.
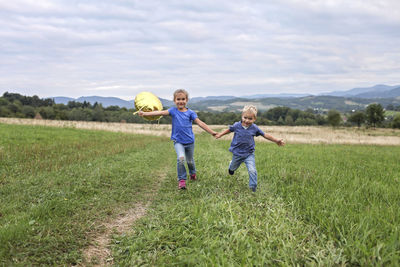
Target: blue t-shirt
(182,125)
(243,140)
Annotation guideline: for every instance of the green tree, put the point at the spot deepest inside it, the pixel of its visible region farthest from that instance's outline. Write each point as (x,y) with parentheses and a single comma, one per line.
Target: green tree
(28,111)
(112,108)
(47,113)
(280,121)
(13,108)
(294,113)
(390,107)
(98,113)
(357,117)
(289,120)
(274,114)
(396,122)
(334,118)
(305,121)
(80,114)
(375,114)
(4,111)
(3,101)
(320,119)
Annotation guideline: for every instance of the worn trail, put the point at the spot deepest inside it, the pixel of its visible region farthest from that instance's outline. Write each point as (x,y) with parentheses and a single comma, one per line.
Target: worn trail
(99,252)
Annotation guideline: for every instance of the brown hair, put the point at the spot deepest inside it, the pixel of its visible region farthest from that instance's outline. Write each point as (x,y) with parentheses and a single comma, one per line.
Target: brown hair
(181,91)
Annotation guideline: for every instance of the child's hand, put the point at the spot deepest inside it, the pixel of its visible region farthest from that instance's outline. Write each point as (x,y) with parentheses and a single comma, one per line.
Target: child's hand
(280,142)
(140,113)
(218,135)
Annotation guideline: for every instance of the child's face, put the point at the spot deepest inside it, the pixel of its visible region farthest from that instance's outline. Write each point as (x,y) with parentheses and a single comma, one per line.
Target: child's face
(180,101)
(248,119)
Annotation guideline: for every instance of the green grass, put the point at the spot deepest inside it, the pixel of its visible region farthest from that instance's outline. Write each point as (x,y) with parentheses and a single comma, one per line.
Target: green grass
(57,185)
(351,193)
(316,204)
(391,113)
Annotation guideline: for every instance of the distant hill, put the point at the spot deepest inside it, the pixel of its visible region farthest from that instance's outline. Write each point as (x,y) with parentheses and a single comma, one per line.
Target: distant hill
(105,101)
(379,90)
(165,102)
(208,98)
(357,98)
(318,103)
(274,95)
(377,94)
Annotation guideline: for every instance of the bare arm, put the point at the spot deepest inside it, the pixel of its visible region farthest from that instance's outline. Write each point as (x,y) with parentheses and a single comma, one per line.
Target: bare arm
(204,126)
(219,135)
(279,142)
(153,113)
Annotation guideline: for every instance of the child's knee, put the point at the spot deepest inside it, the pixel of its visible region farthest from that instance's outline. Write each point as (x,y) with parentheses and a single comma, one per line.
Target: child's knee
(181,159)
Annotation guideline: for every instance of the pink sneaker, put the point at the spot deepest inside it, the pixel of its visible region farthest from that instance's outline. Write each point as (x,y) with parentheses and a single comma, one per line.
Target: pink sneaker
(182,184)
(193,177)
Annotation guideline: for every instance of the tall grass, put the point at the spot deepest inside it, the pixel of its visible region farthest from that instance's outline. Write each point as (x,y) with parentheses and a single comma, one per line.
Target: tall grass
(351,193)
(316,205)
(58,185)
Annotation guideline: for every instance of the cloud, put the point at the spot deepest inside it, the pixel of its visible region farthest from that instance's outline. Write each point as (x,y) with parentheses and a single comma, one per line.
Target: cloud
(119,48)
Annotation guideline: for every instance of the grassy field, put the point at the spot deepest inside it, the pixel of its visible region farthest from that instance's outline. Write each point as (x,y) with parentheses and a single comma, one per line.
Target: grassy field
(292,134)
(391,113)
(316,204)
(58,185)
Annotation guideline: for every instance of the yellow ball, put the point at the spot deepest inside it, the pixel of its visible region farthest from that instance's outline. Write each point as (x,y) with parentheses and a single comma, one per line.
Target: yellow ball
(146,101)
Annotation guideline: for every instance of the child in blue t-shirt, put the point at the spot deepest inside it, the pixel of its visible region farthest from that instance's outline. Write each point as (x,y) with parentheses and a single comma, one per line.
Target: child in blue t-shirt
(243,146)
(182,134)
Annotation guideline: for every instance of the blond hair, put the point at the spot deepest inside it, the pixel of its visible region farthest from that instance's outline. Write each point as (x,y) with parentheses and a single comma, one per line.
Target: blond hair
(181,91)
(250,108)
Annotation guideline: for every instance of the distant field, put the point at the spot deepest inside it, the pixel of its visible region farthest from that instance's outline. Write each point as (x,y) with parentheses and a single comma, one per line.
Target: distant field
(292,134)
(318,204)
(391,113)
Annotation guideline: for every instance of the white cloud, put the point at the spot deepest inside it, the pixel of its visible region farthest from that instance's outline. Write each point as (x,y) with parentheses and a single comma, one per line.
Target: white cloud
(119,48)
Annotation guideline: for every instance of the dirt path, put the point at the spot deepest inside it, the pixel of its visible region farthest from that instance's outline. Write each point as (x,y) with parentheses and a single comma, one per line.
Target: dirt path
(99,253)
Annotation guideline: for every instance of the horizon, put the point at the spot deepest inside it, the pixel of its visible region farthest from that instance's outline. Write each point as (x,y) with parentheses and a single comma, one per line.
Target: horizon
(204,96)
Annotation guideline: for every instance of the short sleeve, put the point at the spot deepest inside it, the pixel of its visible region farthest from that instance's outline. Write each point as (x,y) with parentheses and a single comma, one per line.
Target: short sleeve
(259,131)
(193,116)
(171,111)
(232,128)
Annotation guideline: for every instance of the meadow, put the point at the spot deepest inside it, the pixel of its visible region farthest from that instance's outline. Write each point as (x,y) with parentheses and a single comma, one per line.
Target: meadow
(317,204)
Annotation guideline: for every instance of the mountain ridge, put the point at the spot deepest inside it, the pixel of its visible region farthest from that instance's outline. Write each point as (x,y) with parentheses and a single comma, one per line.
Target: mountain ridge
(356,98)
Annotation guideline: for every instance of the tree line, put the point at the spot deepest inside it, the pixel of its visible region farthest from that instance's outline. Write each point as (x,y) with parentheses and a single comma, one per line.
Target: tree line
(19,106)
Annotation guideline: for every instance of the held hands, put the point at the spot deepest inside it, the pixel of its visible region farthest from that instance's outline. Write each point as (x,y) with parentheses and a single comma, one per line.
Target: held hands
(218,135)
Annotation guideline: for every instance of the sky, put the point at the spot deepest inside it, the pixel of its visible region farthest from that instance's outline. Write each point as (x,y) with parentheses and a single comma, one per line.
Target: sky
(119,48)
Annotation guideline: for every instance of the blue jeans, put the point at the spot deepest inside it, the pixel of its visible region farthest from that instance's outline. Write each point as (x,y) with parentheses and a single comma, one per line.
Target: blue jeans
(250,162)
(184,153)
